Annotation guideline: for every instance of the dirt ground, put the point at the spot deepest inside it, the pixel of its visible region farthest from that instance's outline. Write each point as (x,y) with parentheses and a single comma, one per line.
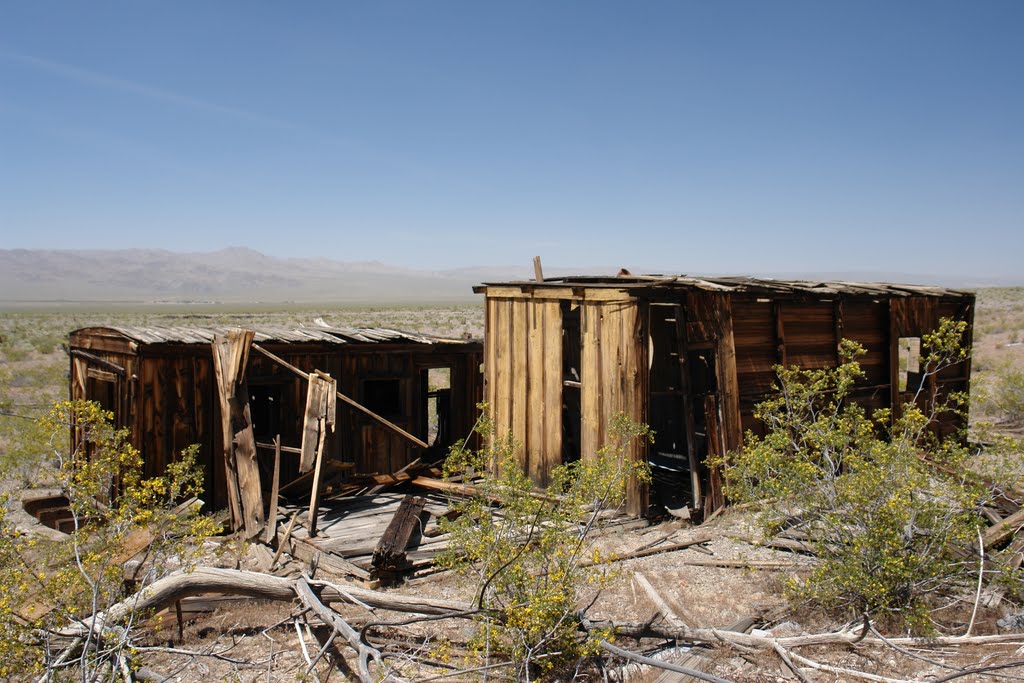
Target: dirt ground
(249,640)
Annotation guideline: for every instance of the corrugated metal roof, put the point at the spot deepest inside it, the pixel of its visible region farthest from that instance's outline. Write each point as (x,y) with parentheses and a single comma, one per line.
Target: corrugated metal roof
(736,284)
(281,335)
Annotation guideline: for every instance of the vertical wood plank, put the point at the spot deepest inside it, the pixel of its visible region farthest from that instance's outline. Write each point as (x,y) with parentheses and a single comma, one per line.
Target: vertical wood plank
(520,365)
(552,386)
(590,379)
(632,354)
(612,377)
(501,377)
(728,380)
(537,422)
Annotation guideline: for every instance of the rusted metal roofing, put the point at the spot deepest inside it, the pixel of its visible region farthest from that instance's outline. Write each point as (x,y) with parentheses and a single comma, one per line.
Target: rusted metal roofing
(281,335)
(734,284)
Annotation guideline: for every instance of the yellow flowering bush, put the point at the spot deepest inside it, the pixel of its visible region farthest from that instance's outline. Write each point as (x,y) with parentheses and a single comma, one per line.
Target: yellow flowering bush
(889,506)
(531,554)
(115,513)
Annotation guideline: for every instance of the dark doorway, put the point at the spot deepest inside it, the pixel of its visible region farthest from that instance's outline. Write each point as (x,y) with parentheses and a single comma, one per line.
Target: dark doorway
(667,409)
(572,354)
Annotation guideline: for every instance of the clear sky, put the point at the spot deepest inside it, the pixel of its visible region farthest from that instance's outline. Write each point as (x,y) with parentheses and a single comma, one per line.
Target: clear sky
(704,137)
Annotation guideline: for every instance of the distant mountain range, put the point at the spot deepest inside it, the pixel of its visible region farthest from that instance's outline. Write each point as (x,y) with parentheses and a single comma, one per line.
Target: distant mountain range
(242,275)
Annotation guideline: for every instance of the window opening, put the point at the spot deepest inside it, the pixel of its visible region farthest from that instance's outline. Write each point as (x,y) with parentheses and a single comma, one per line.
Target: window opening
(265,410)
(909,363)
(438,387)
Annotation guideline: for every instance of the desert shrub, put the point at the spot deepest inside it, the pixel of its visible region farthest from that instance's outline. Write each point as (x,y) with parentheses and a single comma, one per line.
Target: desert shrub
(887,504)
(1003,395)
(46,586)
(533,559)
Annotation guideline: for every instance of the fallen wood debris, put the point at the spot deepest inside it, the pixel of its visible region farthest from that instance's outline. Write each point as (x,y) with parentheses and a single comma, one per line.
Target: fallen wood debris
(373,662)
(389,557)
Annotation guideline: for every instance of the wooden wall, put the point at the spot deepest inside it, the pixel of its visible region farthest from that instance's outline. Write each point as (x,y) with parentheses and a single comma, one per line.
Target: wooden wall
(749,334)
(524,373)
(168,399)
(792,331)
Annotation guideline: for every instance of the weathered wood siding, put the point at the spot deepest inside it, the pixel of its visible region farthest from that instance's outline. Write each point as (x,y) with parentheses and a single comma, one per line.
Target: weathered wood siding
(523,369)
(523,360)
(168,400)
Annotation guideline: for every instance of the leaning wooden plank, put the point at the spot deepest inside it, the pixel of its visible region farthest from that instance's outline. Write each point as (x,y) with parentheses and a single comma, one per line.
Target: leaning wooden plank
(355,404)
(389,555)
(391,479)
(245,495)
(310,424)
(314,498)
(225,378)
(274,489)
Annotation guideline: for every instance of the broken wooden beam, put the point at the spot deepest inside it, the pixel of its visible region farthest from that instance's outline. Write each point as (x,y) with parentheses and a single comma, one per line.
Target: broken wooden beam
(245,493)
(389,555)
(355,404)
(1006,528)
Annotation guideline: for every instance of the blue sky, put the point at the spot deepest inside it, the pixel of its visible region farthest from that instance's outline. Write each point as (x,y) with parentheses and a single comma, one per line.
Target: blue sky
(702,137)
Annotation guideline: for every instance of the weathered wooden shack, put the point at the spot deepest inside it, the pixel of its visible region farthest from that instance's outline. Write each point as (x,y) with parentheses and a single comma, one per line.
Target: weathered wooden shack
(690,357)
(160,384)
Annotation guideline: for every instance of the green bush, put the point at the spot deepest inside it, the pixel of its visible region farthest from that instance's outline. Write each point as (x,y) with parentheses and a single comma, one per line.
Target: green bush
(1003,397)
(46,585)
(888,506)
(533,559)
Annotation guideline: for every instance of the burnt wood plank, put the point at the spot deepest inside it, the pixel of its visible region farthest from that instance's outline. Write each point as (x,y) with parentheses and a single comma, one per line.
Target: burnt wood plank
(389,555)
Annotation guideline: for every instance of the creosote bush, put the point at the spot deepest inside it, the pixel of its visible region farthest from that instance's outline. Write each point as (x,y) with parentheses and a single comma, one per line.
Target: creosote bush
(889,506)
(532,558)
(46,585)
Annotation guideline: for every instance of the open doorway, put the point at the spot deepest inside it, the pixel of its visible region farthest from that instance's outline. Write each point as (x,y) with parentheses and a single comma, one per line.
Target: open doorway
(681,383)
(669,458)
(436,410)
(572,357)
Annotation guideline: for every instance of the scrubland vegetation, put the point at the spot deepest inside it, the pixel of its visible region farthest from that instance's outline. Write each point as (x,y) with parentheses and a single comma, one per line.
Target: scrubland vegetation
(890,512)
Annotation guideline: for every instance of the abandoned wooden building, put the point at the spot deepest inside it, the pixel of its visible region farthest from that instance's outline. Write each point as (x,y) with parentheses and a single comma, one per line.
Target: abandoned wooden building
(690,357)
(162,384)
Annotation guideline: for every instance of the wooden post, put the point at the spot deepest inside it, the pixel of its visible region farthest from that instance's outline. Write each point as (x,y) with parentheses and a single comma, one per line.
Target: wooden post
(314,501)
(274,489)
(538,272)
(245,495)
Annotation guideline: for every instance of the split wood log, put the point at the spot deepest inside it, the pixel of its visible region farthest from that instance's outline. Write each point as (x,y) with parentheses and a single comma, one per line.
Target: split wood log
(703,537)
(389,555)
(334,620)
(713,636)
(667,666)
